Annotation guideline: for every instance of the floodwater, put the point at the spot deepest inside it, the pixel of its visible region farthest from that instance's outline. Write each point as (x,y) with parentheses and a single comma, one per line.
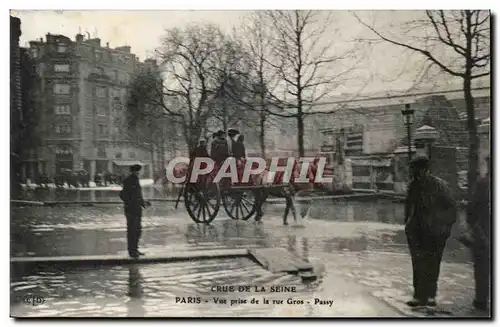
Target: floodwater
(338,234)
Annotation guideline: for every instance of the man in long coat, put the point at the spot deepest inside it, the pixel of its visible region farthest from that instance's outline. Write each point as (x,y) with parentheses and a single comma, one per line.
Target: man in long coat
(430,212)
(131,194)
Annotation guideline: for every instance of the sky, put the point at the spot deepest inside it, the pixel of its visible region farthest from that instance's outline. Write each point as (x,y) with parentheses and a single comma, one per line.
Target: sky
(142,30)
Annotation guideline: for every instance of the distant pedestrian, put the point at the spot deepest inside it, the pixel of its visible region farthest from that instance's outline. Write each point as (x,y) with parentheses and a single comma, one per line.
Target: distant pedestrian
(131,194)
(430,212)
(479,224)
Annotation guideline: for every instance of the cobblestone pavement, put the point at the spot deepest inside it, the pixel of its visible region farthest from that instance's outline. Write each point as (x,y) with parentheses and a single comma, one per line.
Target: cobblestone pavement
(365,264)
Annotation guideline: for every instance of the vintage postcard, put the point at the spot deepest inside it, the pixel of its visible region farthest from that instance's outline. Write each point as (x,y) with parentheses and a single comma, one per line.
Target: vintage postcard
(272,163)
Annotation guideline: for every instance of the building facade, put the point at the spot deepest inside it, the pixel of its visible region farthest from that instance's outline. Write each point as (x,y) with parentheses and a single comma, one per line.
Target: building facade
(15,103)
(378,122)
(371,133)
(81,96)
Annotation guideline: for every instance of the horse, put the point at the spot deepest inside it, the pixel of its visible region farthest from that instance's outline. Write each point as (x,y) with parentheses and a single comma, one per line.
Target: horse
(290,191)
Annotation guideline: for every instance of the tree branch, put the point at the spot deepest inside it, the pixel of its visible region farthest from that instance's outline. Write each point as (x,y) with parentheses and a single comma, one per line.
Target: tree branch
(426,53)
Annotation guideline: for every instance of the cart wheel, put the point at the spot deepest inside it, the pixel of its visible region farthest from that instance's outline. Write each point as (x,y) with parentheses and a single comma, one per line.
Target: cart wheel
(239,204)
(202,202)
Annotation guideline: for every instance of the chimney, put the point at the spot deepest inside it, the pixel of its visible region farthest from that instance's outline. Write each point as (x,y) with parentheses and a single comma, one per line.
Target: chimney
(107,45)
(124,48)
(79,38)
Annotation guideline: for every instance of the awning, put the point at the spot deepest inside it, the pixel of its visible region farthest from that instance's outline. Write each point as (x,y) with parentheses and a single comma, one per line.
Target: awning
(127,162)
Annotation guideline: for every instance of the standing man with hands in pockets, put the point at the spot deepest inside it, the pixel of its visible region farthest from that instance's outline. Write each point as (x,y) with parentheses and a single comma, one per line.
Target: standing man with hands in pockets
(131,194)
(430,212)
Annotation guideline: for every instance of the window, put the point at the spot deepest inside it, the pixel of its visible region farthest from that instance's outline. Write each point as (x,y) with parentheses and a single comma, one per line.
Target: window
(117,105)
(101,151)
(62,109)
(354,139)
(103,130)
(131,155)
(101,92)
(61,89)
(62,48)
(58,68)
(98,55)
(361,171)
(122,77)
(118,155)
(63,151)
(63,128)
(34,53)
(101,111)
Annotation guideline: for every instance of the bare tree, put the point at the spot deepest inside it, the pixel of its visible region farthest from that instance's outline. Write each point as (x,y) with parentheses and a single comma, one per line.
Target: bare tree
(458,42)
(307,66)
(228,108)
(261,79)
(147,124)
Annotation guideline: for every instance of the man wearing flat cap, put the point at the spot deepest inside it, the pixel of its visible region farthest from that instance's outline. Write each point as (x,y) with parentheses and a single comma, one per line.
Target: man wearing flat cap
(479,222)
(131,194)
(430,212)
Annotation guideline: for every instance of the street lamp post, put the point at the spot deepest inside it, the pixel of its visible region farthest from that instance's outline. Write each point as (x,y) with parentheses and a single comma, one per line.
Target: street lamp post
(408,121)
(426,136)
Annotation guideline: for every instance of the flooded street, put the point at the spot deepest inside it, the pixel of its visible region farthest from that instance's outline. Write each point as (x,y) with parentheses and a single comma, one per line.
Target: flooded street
(361,245)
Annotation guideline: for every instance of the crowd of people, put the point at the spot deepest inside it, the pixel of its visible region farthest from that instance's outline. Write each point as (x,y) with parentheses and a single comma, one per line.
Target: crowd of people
(72,178)
(221,145)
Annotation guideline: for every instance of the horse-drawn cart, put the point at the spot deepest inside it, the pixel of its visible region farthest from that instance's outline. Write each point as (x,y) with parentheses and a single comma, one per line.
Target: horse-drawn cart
(204,197)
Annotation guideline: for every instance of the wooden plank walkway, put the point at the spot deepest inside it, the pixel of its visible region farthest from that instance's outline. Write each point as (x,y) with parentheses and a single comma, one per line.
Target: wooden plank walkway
(276,260)
(123,259)
(280,260)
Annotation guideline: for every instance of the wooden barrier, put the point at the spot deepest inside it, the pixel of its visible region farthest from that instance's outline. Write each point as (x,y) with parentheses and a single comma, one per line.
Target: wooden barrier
(276,260)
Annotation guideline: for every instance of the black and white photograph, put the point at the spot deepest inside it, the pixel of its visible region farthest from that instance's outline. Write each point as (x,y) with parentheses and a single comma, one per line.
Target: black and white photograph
(250,163)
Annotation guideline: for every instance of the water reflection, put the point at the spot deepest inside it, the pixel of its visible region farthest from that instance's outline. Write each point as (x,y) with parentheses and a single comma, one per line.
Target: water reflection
(292,244)
(135,304)
(202,233)
(305,249)
(77,230)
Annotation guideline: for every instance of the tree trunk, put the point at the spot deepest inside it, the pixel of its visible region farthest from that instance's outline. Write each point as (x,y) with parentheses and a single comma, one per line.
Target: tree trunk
(472,173)
(152,154)
(162,149)
(224,116)
(262,132)
(300,130)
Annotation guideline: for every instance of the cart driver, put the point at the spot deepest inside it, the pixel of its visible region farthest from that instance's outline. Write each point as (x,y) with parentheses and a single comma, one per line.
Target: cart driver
(219,148)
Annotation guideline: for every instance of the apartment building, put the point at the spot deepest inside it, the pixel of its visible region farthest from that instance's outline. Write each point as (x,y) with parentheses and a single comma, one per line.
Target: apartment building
(81,97)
